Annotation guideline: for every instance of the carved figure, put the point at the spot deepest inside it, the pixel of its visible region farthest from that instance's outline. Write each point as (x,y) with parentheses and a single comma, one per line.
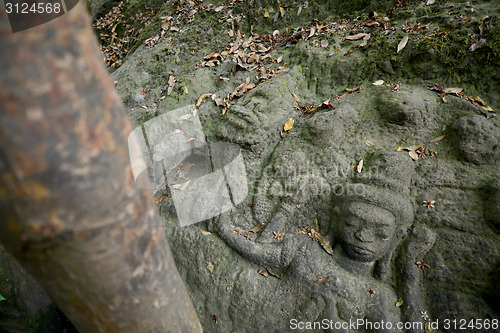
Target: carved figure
(371,222)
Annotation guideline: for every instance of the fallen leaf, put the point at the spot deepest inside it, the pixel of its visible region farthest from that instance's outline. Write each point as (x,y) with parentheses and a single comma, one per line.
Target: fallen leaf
(288,125)
(488,108)
(378,83)
(297,99)
(369,143)
(399,302)
(261,272)
(210,267)
(356,36)
(413,155)
(279,59)
(215,318)
(171,81)
(430,2)
(454,91)
(190,139)
(185,117)
(476,99)
(300,10)
(360,166)
(266,13)
(403,43)
(322,240)
(205,233)
(201,99)
(439,138)
(322,281)
(282,11)
(477,45)
(257,228)
(428,328)
(253,58)
(185,89)
(312,32)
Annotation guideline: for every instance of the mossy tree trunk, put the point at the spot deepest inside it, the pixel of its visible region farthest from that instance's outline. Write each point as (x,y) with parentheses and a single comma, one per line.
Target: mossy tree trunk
(70,211)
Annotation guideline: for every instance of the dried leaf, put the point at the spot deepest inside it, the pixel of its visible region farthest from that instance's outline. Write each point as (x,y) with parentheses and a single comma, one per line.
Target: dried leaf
(369,143)
(378,83)
(282,11)
(266,13)
(253,58)
(430,2)
(190,139)
(413,155)
(439,138)
(171,81)
(280,59)
(324,243)
(210,267)
(312,32)
(297,99)
(454,91)
(201,99)
(399,302)
(288,125)
(261,272)
(300,10)
(205,233)
(476,99)
(403,43)
(360,166)
(185,117)
(428,328)
(477,45)
(322,281)
(185,90)
(488,108)
(257,228)
(399,148)
(356,36)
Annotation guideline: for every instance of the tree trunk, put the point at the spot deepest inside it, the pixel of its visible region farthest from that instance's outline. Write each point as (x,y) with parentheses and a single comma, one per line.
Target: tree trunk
(70,211)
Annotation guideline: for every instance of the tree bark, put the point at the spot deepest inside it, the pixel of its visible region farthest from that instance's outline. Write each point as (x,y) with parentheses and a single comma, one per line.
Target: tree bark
(70,211)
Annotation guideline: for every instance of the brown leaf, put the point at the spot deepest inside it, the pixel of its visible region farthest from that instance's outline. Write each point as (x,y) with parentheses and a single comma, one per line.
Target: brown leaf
(322,281)
(322,240)
(257,228)
(356,36)
(413,155)
(297,99)
(261,272)
(439,138)
(403,43)
(201,99)
(282,11)
(360,166)
(369,143)
(171,81)
(253,58)
(476,99)
(205,233)
(288,125)
(453,91)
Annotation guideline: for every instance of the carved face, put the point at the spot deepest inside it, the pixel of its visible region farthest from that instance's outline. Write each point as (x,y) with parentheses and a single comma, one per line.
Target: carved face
(367,232)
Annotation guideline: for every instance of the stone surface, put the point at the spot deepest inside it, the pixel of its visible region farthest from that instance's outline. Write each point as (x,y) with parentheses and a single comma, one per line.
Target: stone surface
(375,220)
